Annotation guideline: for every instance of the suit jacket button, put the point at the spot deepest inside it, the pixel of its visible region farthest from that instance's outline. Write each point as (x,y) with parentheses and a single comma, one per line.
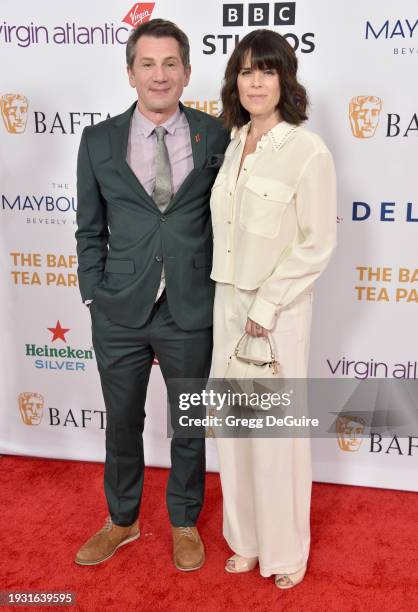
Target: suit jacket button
(158,258)
(163,218)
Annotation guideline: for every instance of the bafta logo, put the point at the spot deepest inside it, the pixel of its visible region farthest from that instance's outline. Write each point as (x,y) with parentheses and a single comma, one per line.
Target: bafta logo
(364,115)
(14,110)
(349,429)
(31,406)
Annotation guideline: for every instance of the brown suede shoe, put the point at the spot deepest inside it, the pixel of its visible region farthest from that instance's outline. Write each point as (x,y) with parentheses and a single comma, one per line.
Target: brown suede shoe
(105,542)
(188,549)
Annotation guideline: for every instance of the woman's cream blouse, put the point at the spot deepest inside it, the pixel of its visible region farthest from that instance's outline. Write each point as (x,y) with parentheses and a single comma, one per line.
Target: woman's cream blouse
(274,226)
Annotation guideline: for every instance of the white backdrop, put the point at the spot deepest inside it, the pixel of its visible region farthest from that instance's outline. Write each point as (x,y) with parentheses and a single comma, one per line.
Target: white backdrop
(65,70)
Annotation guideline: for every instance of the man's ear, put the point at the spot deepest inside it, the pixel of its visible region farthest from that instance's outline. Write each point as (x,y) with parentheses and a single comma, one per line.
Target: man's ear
(130,76)
(188,73)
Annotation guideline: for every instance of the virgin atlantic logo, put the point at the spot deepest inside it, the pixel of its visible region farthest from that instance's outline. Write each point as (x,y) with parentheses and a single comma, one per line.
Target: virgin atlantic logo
(139,13)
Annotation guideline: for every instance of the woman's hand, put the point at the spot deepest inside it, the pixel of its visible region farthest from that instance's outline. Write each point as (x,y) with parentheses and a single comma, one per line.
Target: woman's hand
(254,329)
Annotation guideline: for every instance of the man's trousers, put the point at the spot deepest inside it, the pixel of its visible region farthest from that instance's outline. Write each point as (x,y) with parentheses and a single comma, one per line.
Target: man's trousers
(124,357)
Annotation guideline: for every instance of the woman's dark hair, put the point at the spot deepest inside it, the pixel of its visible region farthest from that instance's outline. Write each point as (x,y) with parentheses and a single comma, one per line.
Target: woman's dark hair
(268,50)
(159,28)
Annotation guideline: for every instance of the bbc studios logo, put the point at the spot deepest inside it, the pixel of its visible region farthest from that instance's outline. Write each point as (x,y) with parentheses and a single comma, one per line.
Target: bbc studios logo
(278,15)
(259,14)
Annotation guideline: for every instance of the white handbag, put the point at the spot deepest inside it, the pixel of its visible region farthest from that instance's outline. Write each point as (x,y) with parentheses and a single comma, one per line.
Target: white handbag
(253,357)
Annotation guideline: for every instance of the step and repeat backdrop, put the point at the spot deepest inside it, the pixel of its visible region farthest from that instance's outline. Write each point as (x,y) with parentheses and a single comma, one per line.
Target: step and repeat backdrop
(63,67)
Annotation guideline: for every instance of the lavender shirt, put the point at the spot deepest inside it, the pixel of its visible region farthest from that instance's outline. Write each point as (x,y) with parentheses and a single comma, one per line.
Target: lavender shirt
(141,154)
(141,149)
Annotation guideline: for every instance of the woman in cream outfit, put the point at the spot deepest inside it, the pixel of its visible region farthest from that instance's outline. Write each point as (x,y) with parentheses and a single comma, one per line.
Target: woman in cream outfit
(274,222)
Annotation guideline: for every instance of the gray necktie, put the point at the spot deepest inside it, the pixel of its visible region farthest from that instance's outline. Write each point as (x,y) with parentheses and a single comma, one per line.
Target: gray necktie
(163,188)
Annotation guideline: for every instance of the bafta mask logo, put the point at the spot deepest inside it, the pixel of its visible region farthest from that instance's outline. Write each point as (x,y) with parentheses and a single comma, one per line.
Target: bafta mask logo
(14,110)
(365,115)
(31,407)
(349,430)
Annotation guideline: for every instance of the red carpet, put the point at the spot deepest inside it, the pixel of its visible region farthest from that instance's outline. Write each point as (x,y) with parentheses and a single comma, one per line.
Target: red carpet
(363,556)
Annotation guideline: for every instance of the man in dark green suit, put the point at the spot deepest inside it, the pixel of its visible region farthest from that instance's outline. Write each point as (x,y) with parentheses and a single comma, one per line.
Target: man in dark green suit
(144,243)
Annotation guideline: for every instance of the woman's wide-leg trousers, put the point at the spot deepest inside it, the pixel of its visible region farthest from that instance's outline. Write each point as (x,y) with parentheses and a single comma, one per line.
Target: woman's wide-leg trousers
(266,482)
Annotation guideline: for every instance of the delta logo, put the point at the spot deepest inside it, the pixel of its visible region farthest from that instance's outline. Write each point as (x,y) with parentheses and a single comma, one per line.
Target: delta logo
(58,355)
(140,13)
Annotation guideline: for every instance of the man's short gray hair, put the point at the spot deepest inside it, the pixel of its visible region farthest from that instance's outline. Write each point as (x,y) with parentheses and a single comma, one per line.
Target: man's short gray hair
(158,28)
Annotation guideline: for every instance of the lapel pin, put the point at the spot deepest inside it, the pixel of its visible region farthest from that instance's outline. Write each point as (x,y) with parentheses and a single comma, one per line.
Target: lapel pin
(197,138)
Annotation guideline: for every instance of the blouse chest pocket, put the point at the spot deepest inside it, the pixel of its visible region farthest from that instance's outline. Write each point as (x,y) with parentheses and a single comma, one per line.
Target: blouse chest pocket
(263,204)
(218,199)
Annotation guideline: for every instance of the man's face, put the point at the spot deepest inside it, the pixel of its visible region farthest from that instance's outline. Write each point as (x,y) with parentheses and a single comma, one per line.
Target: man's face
(158,75)
(364,117)
(14,110)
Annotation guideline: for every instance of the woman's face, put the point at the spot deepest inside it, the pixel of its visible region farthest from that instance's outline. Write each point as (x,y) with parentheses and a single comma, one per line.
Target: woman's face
(259,90)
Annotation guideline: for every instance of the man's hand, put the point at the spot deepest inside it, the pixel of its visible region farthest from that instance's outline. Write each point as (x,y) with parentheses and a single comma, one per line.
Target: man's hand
(254,329)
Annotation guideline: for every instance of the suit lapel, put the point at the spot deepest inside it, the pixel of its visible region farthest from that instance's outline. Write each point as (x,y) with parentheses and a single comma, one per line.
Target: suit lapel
(198,137)
(119,136)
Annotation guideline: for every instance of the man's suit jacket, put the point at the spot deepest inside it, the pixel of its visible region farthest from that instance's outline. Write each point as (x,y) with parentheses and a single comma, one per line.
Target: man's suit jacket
(123,240)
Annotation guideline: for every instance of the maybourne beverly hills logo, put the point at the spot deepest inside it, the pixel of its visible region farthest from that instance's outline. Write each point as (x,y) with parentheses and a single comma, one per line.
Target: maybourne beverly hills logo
(75,33)
(399,34)
(60,356)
